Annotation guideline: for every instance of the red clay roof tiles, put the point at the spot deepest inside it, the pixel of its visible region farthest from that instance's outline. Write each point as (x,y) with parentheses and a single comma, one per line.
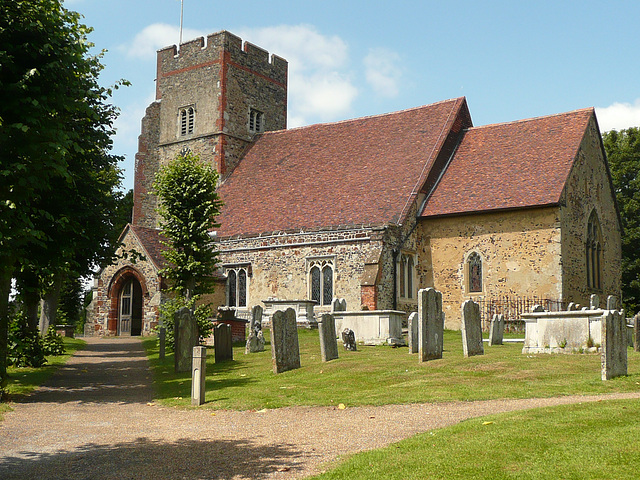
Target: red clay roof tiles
(151,240)
(511,165)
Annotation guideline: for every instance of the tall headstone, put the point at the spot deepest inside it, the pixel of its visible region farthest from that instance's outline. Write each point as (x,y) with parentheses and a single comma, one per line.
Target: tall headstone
(594,302)
(186,337)
(496,330)
(612,302)
(256,317)
(471,329)
(412,333)
(285,350)
(198,375)
(222,342)
(636,333)
(614,345)
(328,337)
(430,325)
(255,340)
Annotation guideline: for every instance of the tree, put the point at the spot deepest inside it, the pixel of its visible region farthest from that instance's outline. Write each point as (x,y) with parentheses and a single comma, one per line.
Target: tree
(56,176)
(623,153)
(189,205)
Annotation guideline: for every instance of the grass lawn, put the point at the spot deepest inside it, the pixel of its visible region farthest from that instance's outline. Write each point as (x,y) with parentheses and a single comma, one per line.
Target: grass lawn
(384,375)
(24,380)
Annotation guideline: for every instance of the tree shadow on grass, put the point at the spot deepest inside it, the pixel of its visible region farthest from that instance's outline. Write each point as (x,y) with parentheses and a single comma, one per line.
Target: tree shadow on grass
(158,460)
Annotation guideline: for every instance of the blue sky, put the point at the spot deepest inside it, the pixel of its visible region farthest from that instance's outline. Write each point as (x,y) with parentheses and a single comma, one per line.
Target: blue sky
(511,59)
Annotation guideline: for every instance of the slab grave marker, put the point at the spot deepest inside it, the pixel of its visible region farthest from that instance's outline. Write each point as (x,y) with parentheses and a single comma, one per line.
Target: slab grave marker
(198,375)
(412,333)
(496,330)
(430,324)
(349,340)
(255,340)
(471,329)
(328,338)
(594,302)
(612,302)
(614,345)
(285,350)
(186,337)
(222,342)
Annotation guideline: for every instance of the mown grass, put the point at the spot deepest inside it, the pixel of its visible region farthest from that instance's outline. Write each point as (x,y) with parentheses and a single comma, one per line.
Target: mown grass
(23,380)
(384,375)
(582,441)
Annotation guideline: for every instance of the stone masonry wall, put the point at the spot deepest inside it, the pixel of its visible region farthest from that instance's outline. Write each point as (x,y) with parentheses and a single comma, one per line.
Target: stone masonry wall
(520,253)
(589,188)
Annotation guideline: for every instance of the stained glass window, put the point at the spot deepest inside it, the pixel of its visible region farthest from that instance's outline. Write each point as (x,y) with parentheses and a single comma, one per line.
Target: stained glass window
(315,284)
(475,272)
(242,288)
(327,285)
(231,280)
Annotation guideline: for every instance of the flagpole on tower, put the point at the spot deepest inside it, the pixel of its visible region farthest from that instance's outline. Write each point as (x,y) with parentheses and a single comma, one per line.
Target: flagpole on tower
(181,16)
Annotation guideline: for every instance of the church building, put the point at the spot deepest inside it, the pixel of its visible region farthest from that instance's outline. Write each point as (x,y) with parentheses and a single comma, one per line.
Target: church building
(370,209)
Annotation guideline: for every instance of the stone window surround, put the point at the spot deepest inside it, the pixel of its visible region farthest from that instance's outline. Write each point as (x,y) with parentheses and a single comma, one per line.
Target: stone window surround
(237,268)
(467,274)
(406,272)
(321,261)
(186,120)
(593,252)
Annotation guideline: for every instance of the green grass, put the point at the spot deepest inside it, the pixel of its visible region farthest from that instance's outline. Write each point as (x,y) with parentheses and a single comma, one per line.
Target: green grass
(384,375)
(23,380)
(582,441)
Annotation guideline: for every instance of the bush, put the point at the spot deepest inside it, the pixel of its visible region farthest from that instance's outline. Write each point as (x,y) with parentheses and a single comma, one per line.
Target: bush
(171,306)
(24,345)
(52,343)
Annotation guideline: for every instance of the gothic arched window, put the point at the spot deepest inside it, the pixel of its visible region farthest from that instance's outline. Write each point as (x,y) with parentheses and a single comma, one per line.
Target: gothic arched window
(187,120)
(237,287)
(474,268)
(406,271)
(593,250)
(321,281)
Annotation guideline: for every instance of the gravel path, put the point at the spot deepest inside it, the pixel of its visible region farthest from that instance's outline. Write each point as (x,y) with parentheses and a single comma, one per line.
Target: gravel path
(94,420)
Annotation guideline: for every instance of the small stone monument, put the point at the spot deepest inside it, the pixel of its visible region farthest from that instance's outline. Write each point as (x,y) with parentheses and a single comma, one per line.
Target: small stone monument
(349,340)
(496,330)
(614,344)
(328,338)
(162,341)
(571,307)
(471,329)
(540,308)
(255,341)
(198,375)
(412,333)
(223,342)
(636,333)
(612,302)
(430,325)
(186,337)
(339,305)
(594,302)
(285,350)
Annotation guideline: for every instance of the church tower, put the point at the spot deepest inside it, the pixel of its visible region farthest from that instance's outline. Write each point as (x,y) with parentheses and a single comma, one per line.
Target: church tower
(212,99)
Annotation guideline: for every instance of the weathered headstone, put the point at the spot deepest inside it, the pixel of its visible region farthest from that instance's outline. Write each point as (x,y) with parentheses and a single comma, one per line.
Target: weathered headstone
(412,333)
(349,340)
(614,345)
(496,330)
(571,307)
(285,350)
(636,333)
(162,341)
(471,329)
(612,302)
(222,342)
(186,337)
(594,302)
(339,305)
(198,375)
(540,308)
(430,325)
(255,341)
(328,338)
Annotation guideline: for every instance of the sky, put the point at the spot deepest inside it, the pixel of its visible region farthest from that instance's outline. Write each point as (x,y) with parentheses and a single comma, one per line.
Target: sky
(351,58)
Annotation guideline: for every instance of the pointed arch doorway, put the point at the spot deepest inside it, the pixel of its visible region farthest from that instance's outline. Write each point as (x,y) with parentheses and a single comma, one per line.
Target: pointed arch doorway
(130,308)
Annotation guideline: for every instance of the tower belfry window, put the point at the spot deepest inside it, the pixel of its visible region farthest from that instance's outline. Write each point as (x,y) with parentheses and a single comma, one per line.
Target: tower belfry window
(187,117)
(256,121)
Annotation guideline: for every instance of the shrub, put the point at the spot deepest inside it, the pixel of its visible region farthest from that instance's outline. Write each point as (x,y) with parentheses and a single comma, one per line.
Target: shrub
(52,343)
(24,345)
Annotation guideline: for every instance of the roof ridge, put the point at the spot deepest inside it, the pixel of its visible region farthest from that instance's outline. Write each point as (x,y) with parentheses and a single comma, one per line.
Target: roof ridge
(525,120)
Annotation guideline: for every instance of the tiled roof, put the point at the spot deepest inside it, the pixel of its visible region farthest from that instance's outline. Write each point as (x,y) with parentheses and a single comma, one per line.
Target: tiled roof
(355,172)
(511,165)
(151,240)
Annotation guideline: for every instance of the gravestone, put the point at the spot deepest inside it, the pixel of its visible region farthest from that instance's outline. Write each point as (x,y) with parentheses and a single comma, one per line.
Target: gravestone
(612,302)
(496,330)
(430,324)
(222,342)
(162,341)
(540,308)
(198,375)
(614,345)
(339,305)
(285,350)
(186,337)
(349,340)
(571,307)
(471,329)
(328,338)
(255,341)
(594,302)
(412,333)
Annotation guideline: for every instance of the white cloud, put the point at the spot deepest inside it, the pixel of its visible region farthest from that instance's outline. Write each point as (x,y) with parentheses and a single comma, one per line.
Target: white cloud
(320,84)
(154,37)
(383,72)
(619,116)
